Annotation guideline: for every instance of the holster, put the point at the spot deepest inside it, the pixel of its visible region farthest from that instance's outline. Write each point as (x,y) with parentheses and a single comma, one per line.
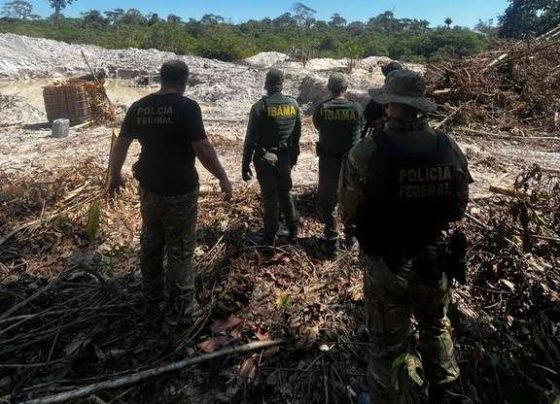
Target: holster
(432,261)
(269,157)
(456,267)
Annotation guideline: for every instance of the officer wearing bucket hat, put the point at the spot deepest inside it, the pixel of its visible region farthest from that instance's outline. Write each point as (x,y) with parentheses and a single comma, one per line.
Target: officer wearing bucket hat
(272,144)
(339,122)
(402,187)
(373,112)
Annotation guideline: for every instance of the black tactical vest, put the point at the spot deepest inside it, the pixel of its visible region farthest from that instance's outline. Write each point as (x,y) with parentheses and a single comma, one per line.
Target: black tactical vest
(277,121)
(410,196)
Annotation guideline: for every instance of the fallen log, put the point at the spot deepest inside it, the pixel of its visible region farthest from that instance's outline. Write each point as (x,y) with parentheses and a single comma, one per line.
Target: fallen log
(452,115)
(481,133)
(506,192)
(39,221)
(137,377)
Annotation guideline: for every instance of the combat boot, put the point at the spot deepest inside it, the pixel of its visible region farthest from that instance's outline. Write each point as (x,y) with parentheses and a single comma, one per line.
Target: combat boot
(153,313)
(293,233)
(178,316)
(330,248)
(350,239)
(268,241)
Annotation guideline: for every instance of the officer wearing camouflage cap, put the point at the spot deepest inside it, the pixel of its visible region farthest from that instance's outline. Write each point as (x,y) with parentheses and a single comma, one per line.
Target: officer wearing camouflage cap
(339,122)
(373,113)
(272,144)
(402,187)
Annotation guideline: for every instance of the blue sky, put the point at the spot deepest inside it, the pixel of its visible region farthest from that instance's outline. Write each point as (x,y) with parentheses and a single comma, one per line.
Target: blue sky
(464,13)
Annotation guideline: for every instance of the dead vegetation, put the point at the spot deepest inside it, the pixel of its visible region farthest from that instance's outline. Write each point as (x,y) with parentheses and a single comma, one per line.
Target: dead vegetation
(71,311)
(512,88)
(71,306)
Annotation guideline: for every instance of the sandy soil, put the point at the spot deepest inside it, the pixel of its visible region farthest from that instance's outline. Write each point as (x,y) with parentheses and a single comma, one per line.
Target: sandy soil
(493,162)
(225,91)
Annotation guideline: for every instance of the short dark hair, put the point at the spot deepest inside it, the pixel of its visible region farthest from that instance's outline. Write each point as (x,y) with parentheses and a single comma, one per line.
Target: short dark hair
(391,67)
(174,73)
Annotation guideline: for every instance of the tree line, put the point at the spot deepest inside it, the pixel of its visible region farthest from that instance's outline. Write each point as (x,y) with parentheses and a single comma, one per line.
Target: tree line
(297,31)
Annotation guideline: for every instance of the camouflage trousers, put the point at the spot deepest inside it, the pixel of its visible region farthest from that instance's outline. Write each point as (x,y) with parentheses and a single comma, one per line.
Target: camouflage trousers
(276,183)
(397,370)
(168,235)
(327,194)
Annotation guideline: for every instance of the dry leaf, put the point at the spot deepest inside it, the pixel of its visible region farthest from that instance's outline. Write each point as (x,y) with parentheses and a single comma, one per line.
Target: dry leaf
(220,326)
(248,368)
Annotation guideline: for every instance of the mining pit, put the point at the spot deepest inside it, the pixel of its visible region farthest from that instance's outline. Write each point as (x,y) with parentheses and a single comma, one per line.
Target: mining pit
(70,300)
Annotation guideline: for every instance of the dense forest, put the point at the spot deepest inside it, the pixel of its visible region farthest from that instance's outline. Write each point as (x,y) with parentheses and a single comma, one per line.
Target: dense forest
(296,31)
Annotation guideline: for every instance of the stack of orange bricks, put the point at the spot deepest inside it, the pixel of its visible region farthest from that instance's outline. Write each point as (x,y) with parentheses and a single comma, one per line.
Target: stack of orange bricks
(77,101)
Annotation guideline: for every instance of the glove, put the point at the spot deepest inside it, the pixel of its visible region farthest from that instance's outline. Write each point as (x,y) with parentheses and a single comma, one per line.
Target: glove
(246,173)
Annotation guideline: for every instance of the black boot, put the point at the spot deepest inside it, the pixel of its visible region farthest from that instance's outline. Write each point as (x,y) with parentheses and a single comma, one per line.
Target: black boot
(293,234)
(331,248)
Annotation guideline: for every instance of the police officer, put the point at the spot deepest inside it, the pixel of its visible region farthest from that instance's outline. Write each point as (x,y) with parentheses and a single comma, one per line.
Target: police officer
(402,187)
(373,113)
(272,143)
(170,129)
(339,122)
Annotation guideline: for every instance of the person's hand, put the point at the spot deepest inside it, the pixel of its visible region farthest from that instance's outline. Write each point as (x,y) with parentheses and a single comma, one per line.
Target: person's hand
(246,173)
(227,189)
(114,186)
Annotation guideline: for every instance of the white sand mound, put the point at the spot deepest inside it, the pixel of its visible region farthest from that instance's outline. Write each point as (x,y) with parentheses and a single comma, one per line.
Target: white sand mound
(15,110)
(327,64)
(374,62)
(266,59)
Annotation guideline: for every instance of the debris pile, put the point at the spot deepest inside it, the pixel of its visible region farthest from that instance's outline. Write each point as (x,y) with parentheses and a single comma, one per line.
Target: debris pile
(102,111)
(515,85)
(14,110)
(71,305)
(70,301)
(509,328)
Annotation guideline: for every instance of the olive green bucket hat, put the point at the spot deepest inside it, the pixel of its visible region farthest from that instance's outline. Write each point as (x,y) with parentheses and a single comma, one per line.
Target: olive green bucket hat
(404,87)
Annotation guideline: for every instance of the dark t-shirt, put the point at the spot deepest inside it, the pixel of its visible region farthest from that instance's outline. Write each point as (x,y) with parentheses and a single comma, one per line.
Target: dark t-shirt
(165,125)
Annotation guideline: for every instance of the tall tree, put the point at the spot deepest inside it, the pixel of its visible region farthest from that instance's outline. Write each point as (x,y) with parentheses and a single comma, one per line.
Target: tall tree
(386,23)
(285,20)
(174,19)
(304,15)
(152,18)
(18,9)
(211,19)
(337,21)
(526,18)
(114,16)
(133,16)
(59,5)
(487,28)
(448,21)
(93,19)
